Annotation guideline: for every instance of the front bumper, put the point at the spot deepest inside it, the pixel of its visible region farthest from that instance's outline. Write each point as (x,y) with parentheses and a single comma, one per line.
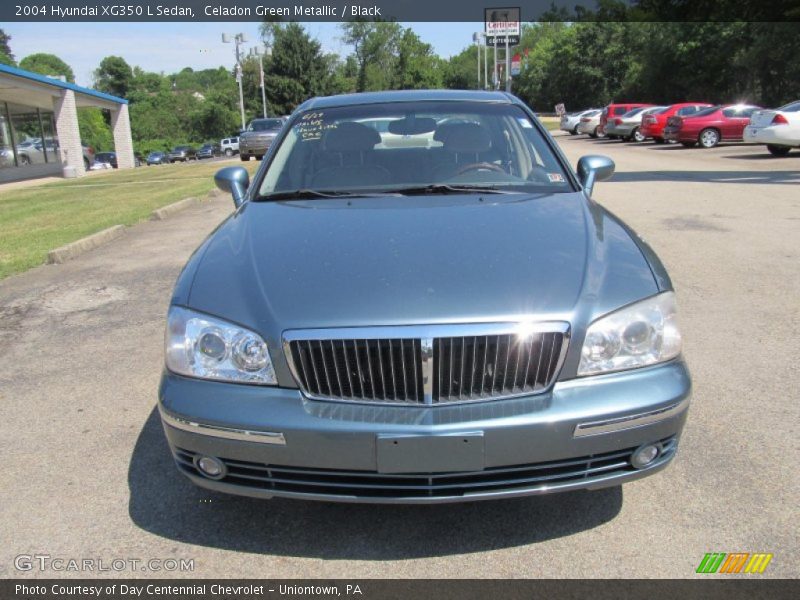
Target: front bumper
(274,442)
(255,146)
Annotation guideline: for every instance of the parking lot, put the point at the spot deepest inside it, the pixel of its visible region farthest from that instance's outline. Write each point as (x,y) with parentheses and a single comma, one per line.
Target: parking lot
(87,472)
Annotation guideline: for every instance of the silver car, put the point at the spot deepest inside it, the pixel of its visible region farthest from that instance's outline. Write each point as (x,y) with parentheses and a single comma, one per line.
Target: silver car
(590,124)
(427,324)
(626,127)
(570,121)
(258,137)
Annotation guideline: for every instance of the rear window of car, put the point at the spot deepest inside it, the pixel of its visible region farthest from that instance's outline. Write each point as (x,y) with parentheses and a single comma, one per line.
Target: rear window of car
(791,107)
(703,111)
(620,110)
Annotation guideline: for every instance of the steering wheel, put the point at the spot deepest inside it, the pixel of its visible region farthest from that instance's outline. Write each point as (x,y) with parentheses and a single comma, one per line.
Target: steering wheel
(480,166)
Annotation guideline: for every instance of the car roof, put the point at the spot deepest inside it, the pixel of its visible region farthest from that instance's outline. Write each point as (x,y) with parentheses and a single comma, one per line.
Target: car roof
(407,96)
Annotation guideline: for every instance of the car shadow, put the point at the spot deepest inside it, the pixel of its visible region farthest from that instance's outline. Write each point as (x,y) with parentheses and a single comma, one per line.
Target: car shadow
(165,503)
(738,177)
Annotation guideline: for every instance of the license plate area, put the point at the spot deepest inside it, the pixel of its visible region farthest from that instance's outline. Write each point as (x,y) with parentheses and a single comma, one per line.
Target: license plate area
(430,453)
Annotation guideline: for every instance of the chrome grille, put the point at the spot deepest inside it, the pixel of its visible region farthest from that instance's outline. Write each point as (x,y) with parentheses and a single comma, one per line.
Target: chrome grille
(470,368)
(427,364)
(366,369)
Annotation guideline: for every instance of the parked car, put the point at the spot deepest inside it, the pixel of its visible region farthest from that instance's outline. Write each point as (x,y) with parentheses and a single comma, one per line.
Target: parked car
(208,151)
(590,123)
(653,124)
(627,126)
(258,137)
(615,110)
(182,154)
(229,146)
(106,158)
(156,158)
(779,129)
(710,126)
(384,359)
(570,121)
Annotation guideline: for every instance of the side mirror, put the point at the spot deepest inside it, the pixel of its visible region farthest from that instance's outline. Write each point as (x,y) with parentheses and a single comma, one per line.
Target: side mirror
(594,168)
(235,181)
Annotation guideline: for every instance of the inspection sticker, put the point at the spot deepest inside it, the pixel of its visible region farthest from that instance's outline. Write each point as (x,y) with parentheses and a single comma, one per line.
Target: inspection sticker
(555,177)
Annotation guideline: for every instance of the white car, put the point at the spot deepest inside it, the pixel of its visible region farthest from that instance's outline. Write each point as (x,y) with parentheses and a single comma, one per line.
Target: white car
(779,129)
(229,146)
(570,121)
(590,124)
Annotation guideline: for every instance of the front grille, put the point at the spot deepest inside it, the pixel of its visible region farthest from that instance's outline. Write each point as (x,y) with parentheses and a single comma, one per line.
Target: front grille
(379,369)
(469,368)
(425,365)
(371,484)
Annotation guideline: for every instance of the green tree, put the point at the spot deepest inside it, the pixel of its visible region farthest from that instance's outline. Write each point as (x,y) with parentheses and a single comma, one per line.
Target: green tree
(375,47)
(6,56)
(47,64)
(114,76)
(297,69)
(94,129)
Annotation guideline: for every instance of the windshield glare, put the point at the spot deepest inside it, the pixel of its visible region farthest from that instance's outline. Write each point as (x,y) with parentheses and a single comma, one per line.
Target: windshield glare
(388,147)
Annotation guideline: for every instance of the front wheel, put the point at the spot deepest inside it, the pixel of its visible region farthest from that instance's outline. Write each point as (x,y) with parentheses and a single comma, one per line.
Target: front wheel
(574,130)
(778,150)
(637,135)
(228,152)
(708,138)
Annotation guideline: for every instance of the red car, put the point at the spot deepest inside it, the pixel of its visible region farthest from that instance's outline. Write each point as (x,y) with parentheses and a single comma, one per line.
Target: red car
(710,126)
(615,110)
(654,123)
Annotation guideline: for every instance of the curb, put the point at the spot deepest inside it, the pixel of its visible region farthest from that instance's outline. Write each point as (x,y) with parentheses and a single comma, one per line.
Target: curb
(78,247)
(170,209)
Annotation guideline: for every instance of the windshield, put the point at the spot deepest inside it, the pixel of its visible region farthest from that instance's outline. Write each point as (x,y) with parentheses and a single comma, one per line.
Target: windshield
(399,147)
(265,125)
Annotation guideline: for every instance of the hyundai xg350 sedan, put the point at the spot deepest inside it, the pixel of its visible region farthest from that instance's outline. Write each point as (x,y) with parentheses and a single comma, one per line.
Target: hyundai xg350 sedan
(449,321)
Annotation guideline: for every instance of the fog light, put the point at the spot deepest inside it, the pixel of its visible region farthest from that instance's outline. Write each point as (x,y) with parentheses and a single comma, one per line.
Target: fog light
(211,467)
(645,455)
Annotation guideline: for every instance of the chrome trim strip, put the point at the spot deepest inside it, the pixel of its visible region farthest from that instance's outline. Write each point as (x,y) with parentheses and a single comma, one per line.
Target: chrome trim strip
(425,333)
(629,421)
(228,433)
(427,370)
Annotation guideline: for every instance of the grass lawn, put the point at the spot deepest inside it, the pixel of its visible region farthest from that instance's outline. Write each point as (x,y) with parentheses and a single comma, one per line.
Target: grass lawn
(34,220)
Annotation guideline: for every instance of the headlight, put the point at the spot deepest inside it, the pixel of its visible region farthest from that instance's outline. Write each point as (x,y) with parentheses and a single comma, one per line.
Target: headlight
(638,335)
(198,345)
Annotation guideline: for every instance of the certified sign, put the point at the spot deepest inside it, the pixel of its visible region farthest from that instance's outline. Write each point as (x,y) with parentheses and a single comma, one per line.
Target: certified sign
(502,24)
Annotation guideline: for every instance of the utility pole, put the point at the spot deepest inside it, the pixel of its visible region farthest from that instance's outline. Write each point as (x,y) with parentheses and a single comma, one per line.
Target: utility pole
(495,78)
(256,51)
(238,40)
(477,39)
(485,63)
(508,66)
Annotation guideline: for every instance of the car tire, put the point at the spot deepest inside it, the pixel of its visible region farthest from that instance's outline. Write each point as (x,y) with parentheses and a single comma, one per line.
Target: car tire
(259,156)
(637,136)
(658,140)
(244,157)
(24,159)
(85,163)
(778,150)
(599,133)
(688,144)
(708,138)
(574,130)
(228,152)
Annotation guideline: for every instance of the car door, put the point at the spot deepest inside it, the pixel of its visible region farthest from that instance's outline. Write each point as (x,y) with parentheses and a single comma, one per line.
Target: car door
(735,120)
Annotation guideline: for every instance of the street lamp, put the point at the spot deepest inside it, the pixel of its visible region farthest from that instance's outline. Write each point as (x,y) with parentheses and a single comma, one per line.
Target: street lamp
(256,51)
(477,39)
(238,40)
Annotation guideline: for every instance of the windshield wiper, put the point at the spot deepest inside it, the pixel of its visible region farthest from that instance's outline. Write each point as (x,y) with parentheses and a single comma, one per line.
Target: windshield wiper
(443,188)
(304,193)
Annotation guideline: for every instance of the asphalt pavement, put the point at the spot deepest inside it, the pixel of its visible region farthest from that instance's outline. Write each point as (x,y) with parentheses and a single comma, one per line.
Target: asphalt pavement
(87,473)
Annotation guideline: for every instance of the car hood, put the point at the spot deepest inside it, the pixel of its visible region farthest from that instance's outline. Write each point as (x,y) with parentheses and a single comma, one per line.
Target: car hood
(275,266)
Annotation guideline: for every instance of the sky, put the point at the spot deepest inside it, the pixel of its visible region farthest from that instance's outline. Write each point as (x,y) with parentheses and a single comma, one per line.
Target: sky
(169,47)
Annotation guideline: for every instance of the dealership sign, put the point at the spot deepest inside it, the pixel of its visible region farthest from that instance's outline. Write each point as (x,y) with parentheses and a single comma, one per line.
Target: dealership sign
(502,24)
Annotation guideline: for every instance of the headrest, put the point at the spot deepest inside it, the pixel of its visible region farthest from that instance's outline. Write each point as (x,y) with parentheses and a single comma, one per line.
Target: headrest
(412,126)
(466,137)
(350,137)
